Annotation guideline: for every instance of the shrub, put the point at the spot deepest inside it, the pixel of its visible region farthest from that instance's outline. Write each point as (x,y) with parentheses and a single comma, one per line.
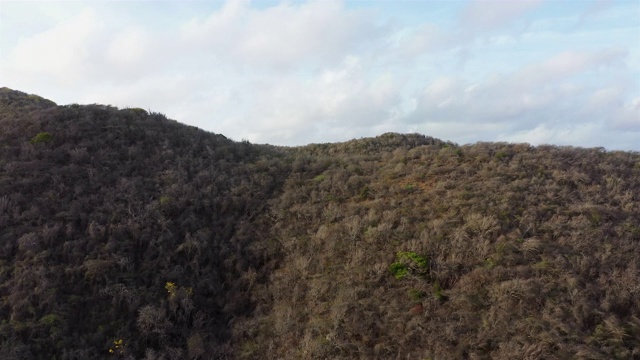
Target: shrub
(409,262)
(139,111)
(399,270)
(43,137)
(416,294)
(50,320)
(438,294)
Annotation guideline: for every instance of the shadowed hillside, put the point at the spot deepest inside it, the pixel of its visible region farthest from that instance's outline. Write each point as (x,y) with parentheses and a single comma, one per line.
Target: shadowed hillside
(124,234)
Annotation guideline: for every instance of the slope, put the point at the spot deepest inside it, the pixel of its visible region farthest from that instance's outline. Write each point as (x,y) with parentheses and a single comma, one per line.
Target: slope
(128,235)
(118,225)
(484,251)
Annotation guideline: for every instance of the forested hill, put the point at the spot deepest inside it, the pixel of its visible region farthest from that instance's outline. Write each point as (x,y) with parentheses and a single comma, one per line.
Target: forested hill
(127,235)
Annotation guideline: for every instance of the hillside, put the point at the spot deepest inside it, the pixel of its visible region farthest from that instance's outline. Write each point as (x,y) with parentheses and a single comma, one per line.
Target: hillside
(124,234)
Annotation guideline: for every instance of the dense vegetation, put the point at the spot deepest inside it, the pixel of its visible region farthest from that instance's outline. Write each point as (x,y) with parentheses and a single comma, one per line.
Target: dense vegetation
(127,235)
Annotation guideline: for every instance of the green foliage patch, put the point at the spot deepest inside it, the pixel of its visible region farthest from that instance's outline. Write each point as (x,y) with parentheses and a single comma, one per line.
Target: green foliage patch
(42,137)
(399,270)
(50,320)
(320,178)
(408,262)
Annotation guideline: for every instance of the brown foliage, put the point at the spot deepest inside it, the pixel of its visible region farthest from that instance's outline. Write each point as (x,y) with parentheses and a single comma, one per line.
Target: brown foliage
(529,252)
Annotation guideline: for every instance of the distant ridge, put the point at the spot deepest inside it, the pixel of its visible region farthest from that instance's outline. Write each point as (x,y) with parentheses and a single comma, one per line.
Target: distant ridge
(19,100)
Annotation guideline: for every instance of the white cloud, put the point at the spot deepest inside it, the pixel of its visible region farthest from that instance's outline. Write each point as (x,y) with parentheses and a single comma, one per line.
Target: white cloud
(220,28)
(63,52)
(560,135)
(567,64)
(341,101)
(539,102)
(282,36)
(606,97)
(491,14)
(129,47)
(425,38)
(626,117)
(319,71)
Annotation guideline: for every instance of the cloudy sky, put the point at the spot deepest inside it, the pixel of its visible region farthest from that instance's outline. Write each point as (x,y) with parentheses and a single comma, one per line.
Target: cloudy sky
(297,72)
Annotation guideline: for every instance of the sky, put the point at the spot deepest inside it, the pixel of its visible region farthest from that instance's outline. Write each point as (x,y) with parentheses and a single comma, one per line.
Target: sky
(298,72)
